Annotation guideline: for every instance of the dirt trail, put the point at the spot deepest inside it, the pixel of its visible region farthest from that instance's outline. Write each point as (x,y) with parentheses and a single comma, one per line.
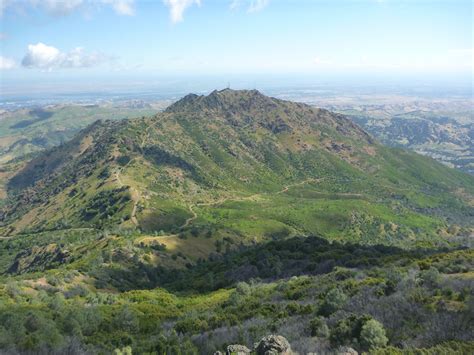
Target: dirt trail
(286,188)
(246,198)
(135,194)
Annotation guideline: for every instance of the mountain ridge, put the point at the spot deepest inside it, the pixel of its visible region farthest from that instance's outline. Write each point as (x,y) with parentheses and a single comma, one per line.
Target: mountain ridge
(177,170)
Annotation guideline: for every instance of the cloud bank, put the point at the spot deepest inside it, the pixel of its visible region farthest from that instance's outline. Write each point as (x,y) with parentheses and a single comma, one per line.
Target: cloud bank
(42,56)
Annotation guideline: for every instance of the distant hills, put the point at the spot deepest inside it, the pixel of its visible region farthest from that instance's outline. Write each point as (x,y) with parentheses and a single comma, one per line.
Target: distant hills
(436,134)
(27,131)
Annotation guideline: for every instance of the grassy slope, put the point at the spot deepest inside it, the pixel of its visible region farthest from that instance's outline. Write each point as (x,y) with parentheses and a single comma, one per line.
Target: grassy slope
(52,126)
(248,178)
(25,133)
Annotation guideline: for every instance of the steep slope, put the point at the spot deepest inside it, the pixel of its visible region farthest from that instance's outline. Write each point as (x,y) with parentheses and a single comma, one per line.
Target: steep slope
(238,167)
(27,131)
(446,139)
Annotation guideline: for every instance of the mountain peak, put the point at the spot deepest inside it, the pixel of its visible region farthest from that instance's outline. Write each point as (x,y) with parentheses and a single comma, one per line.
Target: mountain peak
(226,99)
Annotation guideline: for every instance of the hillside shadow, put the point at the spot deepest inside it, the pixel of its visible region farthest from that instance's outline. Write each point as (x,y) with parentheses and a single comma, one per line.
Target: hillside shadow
(267,262)
(37,114)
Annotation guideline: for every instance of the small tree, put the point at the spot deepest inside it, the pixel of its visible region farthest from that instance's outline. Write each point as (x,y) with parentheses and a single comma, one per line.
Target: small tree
(124,351)
(430,277)
(333,301)
(373,335)
(319,328)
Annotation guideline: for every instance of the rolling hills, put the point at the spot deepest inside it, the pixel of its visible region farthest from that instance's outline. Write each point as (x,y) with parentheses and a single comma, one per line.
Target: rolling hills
(229,217)
(242,166)
(439,136)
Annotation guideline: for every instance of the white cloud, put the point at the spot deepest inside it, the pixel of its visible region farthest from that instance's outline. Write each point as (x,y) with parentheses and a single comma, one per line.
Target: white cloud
(177,8)
(235,4)
(257,5)
(251,5)
(66,7)
(42,56)
(46,57)
(122,7)
(58,7)
(6,63)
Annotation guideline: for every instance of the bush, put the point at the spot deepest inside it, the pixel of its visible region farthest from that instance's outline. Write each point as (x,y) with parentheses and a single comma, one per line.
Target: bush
(430,277)
(348,331)
(243,289)
(333,301)
(319,328)
(372,335)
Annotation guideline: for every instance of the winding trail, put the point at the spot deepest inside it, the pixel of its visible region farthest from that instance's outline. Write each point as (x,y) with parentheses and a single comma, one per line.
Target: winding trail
(135,194)
(286,188)
(246,198)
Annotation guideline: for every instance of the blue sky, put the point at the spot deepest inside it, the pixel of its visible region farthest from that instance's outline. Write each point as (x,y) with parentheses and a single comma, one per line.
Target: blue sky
(50,40)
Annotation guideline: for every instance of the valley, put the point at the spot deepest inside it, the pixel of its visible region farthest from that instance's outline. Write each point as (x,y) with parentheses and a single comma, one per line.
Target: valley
(435,125)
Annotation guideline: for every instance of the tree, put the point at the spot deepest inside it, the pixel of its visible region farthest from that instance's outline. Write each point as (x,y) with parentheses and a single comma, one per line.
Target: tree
(333,301)
(124,351)
(126,320)
(373,335)
(319,328)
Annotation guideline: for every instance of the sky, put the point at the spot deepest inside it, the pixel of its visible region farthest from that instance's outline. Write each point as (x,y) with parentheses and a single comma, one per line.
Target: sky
(51,42)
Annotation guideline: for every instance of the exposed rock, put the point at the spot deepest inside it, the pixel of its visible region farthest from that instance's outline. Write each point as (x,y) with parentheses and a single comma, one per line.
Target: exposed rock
(237,350)
(273,345)
(345,350)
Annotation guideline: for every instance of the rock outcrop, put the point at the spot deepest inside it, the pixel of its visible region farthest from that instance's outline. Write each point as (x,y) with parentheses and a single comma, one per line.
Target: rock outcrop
(345,350)
(273,345)
(269,345)
(237,350)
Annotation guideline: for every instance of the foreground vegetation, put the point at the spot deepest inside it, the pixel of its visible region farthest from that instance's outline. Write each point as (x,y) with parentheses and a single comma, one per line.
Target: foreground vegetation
(316,294)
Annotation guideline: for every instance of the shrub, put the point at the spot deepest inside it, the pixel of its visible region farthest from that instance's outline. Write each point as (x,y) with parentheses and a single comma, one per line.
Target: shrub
(372,335)
(333,301)
(348,331)
(319,328)
(124,351)
(243,289)
(430,277)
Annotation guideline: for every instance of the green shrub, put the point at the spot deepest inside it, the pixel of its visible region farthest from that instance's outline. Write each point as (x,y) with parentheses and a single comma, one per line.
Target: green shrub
(372,335)
(319,328)
(333,301)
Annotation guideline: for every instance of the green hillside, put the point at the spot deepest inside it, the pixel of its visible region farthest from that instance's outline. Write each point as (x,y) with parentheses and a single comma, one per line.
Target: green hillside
(27,132)
(229,217)
(242,166)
